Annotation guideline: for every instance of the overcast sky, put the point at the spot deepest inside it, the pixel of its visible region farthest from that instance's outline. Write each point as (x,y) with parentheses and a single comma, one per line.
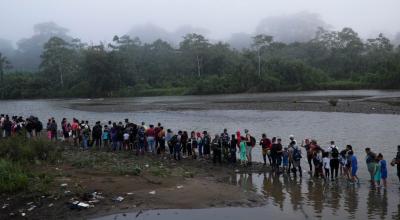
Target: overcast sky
(95,20)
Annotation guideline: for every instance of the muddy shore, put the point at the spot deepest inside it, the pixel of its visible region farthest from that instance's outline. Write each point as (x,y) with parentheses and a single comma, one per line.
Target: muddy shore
(161,183)
(349,103)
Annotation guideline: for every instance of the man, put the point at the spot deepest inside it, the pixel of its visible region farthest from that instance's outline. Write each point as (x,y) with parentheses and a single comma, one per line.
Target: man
(157,139)
(266,147)
(96,134)
(151,136)
(334,160)
(216,148)
(206,144)
(307,146)
(296,157)
(370,160)
(176,143)
(225,144)
(161,141)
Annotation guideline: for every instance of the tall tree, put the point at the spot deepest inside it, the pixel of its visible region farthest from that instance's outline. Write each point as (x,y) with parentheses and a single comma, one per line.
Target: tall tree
(57,60)
(4,64)
(195,46)
(260,42)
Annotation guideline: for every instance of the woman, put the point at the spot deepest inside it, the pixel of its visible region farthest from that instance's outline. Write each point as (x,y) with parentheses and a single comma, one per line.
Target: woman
(193,143)
(243,156)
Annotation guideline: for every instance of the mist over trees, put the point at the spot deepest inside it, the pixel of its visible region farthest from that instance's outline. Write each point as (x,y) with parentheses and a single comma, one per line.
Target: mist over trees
(298,27)
(149,33)
(63,66)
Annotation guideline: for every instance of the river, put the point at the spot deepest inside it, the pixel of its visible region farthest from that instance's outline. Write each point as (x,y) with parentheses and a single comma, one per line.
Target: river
(291,197)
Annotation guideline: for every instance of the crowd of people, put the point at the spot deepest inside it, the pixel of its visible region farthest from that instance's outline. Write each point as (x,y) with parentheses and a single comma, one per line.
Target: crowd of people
(324,162)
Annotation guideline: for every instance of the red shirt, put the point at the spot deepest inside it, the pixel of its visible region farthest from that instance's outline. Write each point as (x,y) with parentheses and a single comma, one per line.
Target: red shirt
(150,132)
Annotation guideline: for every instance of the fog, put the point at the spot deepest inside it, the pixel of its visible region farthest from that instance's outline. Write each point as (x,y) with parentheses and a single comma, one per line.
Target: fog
(230,20)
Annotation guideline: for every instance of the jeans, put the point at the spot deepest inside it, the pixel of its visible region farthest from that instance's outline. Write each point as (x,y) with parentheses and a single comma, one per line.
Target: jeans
(151,143)
(85,142)
(177,152)
(140,146)
(200,146)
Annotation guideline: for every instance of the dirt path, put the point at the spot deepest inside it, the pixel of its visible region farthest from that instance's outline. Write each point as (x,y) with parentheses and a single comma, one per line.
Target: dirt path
(161,183)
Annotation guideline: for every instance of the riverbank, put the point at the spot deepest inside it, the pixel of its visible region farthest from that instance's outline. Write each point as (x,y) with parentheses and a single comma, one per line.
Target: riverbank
(358,101)
(141,183)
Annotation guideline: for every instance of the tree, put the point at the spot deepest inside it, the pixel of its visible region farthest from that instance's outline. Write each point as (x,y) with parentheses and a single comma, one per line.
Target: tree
(27,56)
(99,72)
(195,45)
(260,42)
(4,64)
(57,60)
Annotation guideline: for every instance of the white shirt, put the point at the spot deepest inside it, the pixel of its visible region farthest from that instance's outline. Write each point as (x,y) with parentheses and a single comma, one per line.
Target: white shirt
(326,162)
(126,136)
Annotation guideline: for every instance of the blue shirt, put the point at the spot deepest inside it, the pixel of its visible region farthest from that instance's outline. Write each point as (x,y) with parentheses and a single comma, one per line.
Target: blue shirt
(353,162)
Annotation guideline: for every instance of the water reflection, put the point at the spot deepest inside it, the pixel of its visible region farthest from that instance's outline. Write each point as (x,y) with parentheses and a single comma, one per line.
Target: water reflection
(316,198)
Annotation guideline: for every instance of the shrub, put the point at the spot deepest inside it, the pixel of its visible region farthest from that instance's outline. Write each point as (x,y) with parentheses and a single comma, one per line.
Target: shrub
(12,177)
(333,102)
(24,150)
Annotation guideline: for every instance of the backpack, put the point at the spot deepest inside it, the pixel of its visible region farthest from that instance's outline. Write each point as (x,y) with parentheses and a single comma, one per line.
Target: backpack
(39,127)
(252,141)
(335,153)
(296,154)
(173,140)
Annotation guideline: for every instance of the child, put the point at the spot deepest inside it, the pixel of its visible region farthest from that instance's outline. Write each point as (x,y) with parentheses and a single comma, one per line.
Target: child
(354,166)
(377,173)
(285,160)
(383,169)
(326,164)
(105,137)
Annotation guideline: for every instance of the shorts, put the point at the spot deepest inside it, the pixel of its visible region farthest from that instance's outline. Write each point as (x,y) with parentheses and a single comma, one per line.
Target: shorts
(248,150)
(354,172)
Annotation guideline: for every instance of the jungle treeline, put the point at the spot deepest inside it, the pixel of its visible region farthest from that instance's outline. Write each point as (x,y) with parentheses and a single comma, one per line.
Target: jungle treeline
(69,67)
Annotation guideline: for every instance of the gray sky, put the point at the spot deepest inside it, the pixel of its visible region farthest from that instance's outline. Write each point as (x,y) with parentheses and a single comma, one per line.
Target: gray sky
(95,20)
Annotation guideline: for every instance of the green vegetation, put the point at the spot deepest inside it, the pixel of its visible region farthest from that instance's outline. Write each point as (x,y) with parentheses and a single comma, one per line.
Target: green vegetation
(128,67)
(17,155)
(12,177)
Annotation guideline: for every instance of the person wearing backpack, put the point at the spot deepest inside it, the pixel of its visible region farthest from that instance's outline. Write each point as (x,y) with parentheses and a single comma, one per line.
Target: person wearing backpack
(334,160)
(296,157)
(216,149)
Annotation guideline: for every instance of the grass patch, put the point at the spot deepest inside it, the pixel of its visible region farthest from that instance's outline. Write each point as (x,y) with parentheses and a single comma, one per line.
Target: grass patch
(12,177)
(123,169)
(160,171)
(17,155)
(25,151)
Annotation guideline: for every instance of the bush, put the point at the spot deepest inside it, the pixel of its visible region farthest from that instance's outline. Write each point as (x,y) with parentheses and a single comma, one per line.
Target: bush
(24,150)
(333,102)
(123,169)
(12,177)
